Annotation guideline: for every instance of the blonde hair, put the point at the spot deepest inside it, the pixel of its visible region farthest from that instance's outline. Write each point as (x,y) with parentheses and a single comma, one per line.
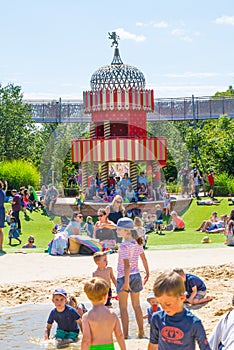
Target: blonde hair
(97,256)
(170,283)
(138,222)
(96,288)
(89,219)
(121,207)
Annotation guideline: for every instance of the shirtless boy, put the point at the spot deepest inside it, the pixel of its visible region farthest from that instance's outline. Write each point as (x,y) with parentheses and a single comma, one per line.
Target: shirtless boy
(100,323)
(105,272)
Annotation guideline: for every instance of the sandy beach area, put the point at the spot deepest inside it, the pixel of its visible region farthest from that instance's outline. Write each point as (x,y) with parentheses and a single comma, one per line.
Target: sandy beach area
(31,278)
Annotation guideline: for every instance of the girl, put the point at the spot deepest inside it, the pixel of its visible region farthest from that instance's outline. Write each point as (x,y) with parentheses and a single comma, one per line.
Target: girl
(88,226)
(141,231)
(129,278)
(167,204)
(13,232)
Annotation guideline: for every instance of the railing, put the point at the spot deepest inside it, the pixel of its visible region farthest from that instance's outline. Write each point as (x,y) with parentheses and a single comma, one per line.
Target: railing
(173,109)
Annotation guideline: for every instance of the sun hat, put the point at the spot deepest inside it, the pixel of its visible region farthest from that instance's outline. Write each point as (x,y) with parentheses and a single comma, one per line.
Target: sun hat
(125,223)
(150,296)
(206,239)
(60,291)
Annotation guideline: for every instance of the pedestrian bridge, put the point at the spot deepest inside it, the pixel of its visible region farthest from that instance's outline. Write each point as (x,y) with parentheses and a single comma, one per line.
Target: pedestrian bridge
(165,109)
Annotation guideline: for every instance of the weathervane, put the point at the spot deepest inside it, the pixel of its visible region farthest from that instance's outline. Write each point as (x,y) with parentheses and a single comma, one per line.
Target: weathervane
(113,36)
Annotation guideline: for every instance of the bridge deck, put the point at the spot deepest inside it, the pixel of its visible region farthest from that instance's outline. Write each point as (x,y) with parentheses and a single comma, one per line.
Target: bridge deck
(174,109)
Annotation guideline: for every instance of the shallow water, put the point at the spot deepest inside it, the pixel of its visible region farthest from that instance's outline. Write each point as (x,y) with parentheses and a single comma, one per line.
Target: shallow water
(22,327)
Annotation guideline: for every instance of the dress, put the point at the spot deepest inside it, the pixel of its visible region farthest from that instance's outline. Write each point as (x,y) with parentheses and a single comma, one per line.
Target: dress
(177,332)
(222,336)
(2,209)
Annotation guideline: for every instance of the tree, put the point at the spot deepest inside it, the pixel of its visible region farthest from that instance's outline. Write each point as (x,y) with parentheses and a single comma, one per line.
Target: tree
(17,128)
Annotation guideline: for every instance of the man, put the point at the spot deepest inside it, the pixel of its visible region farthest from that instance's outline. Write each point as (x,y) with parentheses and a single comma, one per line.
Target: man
(16,207)
(51,197)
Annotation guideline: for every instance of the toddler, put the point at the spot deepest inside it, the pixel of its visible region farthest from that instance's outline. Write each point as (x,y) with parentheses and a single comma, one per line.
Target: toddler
(154,307)
(89,226)
(138,226)
(13,232)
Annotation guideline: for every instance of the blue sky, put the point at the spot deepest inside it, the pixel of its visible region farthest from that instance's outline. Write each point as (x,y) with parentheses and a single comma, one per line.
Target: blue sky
(52,47)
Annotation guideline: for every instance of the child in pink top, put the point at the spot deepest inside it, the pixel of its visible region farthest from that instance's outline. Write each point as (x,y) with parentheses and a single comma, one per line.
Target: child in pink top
(129,278)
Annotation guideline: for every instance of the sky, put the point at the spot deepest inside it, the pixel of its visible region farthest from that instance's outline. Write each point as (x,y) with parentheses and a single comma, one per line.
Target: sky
(51,48)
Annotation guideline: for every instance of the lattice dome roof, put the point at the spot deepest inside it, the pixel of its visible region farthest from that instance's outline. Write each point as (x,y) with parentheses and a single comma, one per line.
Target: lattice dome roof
(117,75)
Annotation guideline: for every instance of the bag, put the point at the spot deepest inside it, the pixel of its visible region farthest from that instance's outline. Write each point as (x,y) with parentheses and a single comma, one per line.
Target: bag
(84,250)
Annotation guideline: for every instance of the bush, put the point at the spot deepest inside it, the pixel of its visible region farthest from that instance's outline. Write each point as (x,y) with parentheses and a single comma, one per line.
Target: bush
(224,185)
(19,173)
(71,192)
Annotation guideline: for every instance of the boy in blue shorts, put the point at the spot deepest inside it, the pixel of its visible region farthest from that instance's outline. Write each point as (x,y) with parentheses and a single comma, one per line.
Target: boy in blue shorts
(67,318)
(195,288)
(174,327)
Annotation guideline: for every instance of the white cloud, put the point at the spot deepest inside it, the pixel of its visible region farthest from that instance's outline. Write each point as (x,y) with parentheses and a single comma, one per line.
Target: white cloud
(192,75)
(182,35)
(229,20)
(124,35)
(161,24)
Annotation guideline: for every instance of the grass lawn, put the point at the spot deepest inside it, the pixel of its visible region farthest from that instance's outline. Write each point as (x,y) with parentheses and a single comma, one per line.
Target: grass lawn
(40,226)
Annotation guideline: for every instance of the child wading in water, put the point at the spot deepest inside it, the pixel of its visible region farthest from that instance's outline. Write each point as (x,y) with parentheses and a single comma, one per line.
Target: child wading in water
(100,323)
(105,272)
(129,279)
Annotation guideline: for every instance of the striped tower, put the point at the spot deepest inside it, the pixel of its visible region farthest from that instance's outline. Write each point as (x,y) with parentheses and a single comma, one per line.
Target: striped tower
(94,168)
(133,175)
(154,166)
(104,173)
(84,175)
(92,130)
(106,128)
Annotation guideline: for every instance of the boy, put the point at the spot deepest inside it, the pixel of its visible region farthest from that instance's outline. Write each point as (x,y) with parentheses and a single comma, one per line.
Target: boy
(104,272)
(175,327)
(195,288)
(99,323)
(67,318)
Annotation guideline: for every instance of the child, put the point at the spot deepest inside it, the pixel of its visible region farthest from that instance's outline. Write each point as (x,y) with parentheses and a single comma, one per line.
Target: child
(159,219)
(175,327)
(154,307)
(80,200)
(99,323)
(67,318)
(138,226)
(13,232)
(80,308)
(222,336)
(88,226)
(104,272)
(129,278)
(195,288)
(167,204)
(30,243)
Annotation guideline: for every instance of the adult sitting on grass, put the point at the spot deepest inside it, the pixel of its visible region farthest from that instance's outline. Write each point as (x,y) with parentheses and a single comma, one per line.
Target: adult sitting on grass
(207,223)
(177,223)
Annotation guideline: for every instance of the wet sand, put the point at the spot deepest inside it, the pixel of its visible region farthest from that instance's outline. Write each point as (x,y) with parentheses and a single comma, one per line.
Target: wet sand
(31,278)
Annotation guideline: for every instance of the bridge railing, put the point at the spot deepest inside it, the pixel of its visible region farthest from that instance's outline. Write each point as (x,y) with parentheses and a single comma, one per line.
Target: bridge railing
(174,109)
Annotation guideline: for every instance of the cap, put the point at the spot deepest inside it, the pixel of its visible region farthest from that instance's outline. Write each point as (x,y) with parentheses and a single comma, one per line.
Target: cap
(60,291)
(150,296)
(50,185)
(125,223)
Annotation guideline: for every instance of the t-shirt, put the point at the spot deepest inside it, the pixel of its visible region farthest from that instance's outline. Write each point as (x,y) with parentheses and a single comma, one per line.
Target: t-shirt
(2,198)
(177,332)
(17,201)
(223,333)
(178,221)
(66,319)
(159,214)
(69,229)
(192,281)
(131,251)
(211,179)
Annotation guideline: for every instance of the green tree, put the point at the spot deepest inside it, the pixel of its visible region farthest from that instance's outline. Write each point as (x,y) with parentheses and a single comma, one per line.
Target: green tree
(17,128)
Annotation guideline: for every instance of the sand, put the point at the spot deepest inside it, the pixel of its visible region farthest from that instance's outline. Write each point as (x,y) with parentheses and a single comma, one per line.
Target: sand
(31,278)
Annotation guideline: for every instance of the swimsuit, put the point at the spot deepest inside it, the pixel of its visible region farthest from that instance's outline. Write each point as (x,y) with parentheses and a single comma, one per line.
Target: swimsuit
(102,346)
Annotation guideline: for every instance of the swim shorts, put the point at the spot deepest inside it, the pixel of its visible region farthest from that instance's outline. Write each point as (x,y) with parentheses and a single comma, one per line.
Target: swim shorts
(102,346)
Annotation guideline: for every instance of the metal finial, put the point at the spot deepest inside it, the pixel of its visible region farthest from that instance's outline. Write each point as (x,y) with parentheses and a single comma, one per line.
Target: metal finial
(113,36)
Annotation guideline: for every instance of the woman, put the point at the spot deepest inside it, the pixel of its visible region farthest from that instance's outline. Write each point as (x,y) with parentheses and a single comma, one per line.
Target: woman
(125,183)
(104,228)
(2,211)
(208,223)
(142,193)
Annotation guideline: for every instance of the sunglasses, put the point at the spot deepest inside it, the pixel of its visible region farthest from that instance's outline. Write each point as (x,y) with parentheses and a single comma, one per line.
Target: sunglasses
(80,216)
(31,241)
(100,215)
